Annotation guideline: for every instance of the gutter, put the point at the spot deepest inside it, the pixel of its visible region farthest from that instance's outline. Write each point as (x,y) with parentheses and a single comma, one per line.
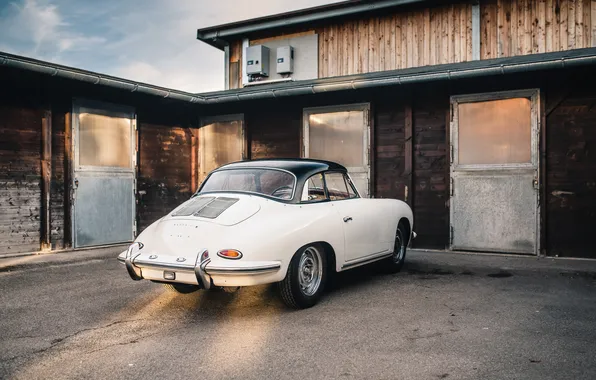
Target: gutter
(55,70)
(398,77)
(215,35)
(474,69)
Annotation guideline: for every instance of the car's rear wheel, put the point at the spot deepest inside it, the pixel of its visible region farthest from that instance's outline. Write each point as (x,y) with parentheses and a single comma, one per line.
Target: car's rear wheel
(395,262)
(305,280)
(181,288)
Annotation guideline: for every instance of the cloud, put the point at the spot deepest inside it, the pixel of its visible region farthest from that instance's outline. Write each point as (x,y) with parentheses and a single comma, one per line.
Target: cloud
(152,41)
(38,29)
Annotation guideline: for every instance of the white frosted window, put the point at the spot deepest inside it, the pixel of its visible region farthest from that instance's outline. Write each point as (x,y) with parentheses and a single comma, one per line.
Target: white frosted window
(495,132)
(220,144)
(338,137)
(104,141)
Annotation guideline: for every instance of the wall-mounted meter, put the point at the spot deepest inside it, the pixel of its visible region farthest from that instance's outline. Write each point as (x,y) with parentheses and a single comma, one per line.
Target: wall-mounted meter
(285,59)
(257,61)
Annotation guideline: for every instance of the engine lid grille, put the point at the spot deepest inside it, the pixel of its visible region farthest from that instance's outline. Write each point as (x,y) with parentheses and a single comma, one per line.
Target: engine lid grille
(206,207)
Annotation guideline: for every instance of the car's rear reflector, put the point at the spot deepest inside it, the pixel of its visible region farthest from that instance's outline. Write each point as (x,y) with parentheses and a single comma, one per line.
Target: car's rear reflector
(230,254)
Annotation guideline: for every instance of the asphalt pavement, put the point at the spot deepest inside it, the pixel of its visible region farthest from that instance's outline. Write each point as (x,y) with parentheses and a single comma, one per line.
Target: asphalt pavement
(445,315)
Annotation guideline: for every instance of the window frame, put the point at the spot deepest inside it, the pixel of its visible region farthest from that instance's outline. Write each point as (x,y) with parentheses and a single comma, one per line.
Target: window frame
(199,190)
(531,94)
(82,105)
(305,186)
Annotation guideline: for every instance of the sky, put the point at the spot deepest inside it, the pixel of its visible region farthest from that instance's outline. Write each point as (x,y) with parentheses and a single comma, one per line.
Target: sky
(151,41)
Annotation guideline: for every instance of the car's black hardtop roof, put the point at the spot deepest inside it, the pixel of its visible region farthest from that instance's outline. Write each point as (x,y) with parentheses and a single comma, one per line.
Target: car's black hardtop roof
(300,167)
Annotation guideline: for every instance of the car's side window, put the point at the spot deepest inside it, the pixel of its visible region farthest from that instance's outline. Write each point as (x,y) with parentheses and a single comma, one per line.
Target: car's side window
(351,188)
(336,186)
(314,189)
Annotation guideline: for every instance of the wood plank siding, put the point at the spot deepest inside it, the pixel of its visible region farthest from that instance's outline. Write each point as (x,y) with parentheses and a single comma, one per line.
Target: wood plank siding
(397,41)
(20,178)
(164,171)
(415,36)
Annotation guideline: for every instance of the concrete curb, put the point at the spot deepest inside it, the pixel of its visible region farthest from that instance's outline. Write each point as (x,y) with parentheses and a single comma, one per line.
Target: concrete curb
(10,264)
(494,265)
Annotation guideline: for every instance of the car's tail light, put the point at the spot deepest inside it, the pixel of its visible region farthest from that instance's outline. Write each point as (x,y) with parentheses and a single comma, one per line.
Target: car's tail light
(230,254)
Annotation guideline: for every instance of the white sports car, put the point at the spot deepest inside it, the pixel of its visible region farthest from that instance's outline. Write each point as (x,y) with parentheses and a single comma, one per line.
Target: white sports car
(289,222)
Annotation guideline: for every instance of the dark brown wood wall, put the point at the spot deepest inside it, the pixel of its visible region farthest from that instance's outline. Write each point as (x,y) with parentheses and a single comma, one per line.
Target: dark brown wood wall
(571,174)
(58,190)
(390,178)
(276,132)
(164,171)
(20,175)
(430,115)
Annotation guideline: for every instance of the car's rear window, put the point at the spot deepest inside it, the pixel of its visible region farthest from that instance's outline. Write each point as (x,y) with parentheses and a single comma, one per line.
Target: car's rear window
(270,182)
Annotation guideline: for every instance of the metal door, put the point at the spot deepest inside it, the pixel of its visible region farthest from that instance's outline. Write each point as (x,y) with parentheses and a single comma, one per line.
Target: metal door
(104,150)
(494,172)
(340,134)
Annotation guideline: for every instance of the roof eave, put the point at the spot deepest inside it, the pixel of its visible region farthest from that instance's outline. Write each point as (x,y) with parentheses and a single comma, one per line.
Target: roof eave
(214,34)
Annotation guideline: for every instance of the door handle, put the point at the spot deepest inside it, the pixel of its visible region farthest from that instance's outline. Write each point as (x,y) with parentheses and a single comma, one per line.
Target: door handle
(347,218)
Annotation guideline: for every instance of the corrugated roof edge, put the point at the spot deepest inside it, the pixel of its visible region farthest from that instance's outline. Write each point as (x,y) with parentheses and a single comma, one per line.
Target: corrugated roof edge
(498,66)
(216,35)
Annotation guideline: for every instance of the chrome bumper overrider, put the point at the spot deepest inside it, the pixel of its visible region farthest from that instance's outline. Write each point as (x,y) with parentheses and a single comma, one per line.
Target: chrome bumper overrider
(134,266)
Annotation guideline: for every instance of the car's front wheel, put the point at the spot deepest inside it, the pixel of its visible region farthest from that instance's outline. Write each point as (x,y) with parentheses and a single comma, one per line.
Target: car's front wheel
(305,280)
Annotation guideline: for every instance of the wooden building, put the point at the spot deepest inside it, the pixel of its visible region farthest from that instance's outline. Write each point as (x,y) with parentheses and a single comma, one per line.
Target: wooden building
(481,115)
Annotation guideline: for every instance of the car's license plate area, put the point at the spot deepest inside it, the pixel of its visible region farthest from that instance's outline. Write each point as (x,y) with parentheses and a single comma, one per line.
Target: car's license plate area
(169,275)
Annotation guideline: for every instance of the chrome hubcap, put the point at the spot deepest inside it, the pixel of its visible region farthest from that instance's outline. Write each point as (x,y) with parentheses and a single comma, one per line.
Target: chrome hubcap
(310,271)
(398,249)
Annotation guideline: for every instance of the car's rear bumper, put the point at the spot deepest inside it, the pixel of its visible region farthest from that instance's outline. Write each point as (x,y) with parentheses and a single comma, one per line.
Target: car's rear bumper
(203,273)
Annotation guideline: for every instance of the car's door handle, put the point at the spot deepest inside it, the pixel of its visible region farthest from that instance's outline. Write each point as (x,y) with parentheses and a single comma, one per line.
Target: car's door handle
(347,218)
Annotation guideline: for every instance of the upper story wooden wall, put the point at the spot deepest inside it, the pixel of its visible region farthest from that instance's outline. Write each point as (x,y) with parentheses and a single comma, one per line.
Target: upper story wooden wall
(519,27)
(397,41)
(443,34)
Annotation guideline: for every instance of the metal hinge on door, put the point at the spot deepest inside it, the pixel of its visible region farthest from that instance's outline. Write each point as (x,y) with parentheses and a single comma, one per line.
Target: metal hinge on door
(451,153)
(451,186)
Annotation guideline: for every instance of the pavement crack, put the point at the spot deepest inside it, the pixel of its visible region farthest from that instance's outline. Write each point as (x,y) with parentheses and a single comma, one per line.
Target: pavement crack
(133,341)
(57,341)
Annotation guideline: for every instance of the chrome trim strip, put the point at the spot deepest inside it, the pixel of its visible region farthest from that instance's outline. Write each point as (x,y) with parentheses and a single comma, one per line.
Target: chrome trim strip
(245,270)
(367,260)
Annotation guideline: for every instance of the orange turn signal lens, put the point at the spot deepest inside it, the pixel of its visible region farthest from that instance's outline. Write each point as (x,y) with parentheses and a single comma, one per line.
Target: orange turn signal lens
(230,254)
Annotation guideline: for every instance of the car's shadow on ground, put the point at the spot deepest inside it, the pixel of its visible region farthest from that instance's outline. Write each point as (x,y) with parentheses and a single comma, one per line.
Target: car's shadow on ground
(264,299)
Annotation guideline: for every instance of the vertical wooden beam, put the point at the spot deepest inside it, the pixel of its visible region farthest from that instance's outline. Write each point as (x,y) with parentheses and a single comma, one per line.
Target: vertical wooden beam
(542,172)
(571,25)
(563,26)
(68,167)
(476,31)
(541,26)
(46,178)
(408,156)
(194,159)
(593,21)
(548,33)
(371,150)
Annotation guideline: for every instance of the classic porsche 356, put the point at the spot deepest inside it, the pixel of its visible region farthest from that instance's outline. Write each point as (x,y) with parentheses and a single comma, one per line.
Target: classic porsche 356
(290,222)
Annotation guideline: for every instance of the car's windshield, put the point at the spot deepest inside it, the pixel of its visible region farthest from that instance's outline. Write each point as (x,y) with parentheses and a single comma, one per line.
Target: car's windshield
(271,182)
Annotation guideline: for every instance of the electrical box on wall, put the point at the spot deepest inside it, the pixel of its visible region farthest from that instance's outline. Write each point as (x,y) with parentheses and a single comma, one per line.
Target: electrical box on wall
(257,61)
(285,59)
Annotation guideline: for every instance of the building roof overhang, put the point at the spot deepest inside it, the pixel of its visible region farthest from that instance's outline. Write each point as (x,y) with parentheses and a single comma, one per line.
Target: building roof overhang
(448,72)
(219,35)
